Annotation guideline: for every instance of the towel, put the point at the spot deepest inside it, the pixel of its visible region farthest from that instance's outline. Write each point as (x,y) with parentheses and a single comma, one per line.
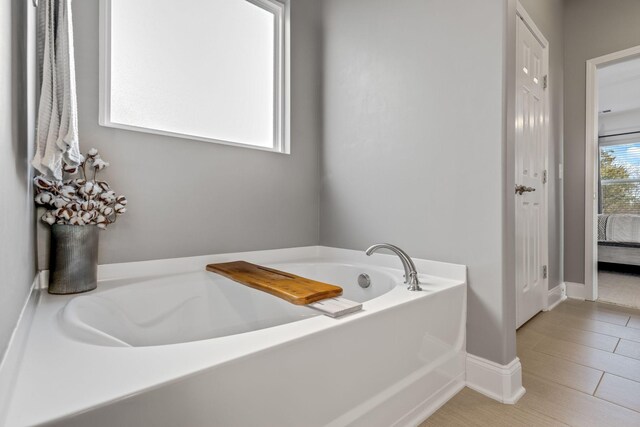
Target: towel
(57,133)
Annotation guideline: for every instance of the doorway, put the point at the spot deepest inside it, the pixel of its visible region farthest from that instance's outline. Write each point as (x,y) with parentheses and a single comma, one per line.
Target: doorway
(612,199)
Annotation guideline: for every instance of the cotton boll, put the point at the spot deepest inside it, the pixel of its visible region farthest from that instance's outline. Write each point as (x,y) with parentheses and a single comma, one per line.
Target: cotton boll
(76,220)
(88,187)
(70,169)
(103,185)
(99,164)
(107,211)
(102,222)
(49,218)
(68,192)
(122,200)
(86,216)
(79,182)
(92,153)
(44,198)
(96,190)
(108,197)
(65,214)
(119,209)
(43,183)
(59,202)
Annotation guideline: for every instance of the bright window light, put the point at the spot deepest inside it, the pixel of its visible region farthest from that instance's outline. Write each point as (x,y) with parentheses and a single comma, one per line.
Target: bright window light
(212,70)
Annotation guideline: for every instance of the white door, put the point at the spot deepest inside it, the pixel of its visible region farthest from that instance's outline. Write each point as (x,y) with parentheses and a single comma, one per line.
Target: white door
(531,153)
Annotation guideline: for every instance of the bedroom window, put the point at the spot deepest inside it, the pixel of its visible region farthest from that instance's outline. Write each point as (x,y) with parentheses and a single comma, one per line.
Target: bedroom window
(210,70)
(620,178)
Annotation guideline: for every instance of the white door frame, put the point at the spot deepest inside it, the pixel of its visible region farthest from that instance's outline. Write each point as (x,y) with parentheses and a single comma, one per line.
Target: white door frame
(521,13)
(590,178)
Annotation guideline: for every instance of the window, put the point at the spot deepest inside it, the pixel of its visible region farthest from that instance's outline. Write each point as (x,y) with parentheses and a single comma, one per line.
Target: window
(212,70)
(620,177)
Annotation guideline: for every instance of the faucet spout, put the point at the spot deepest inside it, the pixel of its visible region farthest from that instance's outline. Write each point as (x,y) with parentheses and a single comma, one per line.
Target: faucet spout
(410,272)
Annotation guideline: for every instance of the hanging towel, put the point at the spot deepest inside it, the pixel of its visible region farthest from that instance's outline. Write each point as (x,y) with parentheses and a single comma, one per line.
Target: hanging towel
(57,133)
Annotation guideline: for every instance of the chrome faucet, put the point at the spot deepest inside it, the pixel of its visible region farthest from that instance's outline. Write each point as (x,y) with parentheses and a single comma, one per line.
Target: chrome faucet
(410,272)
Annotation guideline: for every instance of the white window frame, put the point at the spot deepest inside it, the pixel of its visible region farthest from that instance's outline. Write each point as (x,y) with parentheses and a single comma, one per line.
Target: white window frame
(282,77)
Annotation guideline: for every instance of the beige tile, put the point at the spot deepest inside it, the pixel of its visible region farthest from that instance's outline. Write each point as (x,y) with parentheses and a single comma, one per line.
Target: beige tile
(600,305)
(527,338)
(573,407)
(629,349)
(598,359)
(634,322)
(560,330)
(592,326)
(561,371)
(563,354)
(595,312)
(469,408)
(620,391)
(632,311)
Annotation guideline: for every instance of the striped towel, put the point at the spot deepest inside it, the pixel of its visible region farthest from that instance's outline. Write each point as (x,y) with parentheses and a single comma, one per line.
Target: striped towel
(57,133)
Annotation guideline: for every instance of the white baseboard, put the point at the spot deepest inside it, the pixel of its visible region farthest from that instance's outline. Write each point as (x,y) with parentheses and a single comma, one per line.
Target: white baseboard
(11,362)
(556,296)
(576,290)
(500,382)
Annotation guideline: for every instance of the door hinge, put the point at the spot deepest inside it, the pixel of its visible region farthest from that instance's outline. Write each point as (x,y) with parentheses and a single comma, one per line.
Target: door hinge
(545,81)
(545,272)
(544,176)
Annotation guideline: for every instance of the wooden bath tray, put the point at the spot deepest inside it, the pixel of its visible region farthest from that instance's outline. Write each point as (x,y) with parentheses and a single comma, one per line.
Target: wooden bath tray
(295,289)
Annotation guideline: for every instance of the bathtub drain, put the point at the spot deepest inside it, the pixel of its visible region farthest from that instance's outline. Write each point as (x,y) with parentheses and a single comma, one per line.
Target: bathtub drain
(364,280)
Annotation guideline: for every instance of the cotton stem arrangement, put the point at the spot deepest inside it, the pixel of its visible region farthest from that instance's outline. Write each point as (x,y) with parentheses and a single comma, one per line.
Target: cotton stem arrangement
(79,198)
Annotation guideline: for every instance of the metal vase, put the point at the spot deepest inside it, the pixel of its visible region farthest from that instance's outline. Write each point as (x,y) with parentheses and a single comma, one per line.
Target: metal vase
(73,260)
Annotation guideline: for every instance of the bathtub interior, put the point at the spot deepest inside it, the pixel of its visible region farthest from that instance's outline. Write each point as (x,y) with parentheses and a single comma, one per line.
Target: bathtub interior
(202,305)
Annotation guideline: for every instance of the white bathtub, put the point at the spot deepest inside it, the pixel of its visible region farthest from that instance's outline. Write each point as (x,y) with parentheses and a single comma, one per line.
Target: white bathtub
(190,348)
(202,305)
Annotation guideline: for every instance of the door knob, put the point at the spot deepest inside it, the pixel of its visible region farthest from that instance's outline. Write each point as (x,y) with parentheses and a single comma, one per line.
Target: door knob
(520,189)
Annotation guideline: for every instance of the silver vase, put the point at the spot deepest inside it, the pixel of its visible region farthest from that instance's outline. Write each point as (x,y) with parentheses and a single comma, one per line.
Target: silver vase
(73,261)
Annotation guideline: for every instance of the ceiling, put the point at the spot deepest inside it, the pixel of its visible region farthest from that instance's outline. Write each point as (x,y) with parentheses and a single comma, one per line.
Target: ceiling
(619,86)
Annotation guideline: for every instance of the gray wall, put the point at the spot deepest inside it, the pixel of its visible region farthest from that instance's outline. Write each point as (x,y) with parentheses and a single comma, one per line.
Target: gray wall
(17,218)
(191,198)
(548,16)
(592,28)
(413,146)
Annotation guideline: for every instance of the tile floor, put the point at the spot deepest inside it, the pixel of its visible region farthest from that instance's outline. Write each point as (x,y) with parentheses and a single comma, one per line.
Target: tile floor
(581,367)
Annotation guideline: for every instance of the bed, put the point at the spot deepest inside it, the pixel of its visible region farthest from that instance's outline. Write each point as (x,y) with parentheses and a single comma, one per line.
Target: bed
(619,239)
